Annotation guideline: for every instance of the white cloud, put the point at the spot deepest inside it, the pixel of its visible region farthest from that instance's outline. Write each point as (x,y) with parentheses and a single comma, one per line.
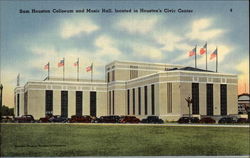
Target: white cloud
(107,47)
(74,27)
(147,51)
(137,24)
(201,30)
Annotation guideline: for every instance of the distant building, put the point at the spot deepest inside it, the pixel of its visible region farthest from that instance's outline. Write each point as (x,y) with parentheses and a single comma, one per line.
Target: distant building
(133,88)
(243,100)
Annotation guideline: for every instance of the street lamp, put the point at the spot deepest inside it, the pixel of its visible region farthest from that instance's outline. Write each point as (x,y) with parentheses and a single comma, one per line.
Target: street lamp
(189,102)
(1,98)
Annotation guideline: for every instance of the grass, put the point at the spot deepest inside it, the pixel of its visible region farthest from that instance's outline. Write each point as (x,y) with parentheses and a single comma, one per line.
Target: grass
(113,140)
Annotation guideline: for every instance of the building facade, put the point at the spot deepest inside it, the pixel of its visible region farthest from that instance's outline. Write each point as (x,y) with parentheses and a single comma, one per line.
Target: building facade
(133,88)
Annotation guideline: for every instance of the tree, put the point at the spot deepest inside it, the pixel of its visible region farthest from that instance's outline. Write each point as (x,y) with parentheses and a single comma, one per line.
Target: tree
(6,111)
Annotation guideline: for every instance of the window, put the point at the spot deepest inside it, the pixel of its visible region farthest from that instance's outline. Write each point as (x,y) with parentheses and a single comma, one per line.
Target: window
(139,101)
(93,104)
(26,103)
(195,98)
(169,97)
(113,101)
(223,99)
(153,99)
(133,72)
(64,103)
(210,105)
(133,101)
(113,75)
(109,102)
(78,103)
(18,104)
(108,77)
(146,99)
(128,100)
(48,102)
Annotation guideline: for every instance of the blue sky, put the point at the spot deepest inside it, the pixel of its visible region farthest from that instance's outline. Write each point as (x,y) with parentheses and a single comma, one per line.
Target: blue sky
(29,41)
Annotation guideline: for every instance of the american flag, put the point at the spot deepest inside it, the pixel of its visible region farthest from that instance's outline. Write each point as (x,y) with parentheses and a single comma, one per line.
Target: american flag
(89,68)
(61,63)
(203,49)
(192,52)
(214,54)
(46,67)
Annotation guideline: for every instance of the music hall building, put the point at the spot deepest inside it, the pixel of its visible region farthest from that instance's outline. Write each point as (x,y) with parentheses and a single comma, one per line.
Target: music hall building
(133,88)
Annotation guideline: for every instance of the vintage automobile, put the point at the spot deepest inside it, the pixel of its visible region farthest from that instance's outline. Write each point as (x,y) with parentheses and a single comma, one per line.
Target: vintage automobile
(152,119)
(243,120)
(129,119)
(207,120)
(109,119)
(24,119)
(227,120)
(45,119)
(80,119)
(58,118)
(6,119)
(186,120)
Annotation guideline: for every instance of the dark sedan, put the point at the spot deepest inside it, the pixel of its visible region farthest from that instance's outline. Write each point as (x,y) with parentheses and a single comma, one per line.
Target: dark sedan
(152,119)
(227,120)
(109,119)
(58,118)
(186,120)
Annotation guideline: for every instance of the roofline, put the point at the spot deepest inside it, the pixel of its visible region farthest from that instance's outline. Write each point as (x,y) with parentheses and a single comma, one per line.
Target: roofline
(142,62)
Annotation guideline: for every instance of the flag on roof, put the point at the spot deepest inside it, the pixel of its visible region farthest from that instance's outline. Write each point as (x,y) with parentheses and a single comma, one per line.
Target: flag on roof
(214,54)
(61,63)
(89,68)
(192,52)
(203,49)
(76,63)
(46,67)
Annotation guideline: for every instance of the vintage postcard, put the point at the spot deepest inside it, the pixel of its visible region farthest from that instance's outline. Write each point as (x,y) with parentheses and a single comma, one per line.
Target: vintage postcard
(124,78)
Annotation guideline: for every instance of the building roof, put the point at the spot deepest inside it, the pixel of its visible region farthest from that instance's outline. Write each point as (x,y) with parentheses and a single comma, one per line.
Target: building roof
(189,69)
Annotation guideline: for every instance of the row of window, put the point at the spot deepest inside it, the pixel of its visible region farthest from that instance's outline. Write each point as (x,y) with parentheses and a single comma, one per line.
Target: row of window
(210,99)
(64,103)
(132,111)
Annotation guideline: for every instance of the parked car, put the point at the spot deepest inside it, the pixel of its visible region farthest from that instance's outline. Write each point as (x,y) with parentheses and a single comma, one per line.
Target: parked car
(80,119)
(207,120)
(109,119)
(227,120)
(152,119)
(186,120)
(45,119)
(129,119)
(7,119)
(24,119)
(58,118)
(243,120)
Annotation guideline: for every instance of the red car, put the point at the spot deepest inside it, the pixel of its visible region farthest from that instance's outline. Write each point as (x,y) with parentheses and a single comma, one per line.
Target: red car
(25,119)
(129,119)
(207,120)
(80,119)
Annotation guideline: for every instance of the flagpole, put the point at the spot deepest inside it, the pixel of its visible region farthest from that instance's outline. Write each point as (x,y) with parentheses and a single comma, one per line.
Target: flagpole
(206,55)
(63,68)
(216,59)
(78,69)
(91,72)
(195,56)
(48,70)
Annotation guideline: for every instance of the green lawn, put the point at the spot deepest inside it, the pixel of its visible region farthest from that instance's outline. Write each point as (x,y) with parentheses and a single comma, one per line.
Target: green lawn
(113,140)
